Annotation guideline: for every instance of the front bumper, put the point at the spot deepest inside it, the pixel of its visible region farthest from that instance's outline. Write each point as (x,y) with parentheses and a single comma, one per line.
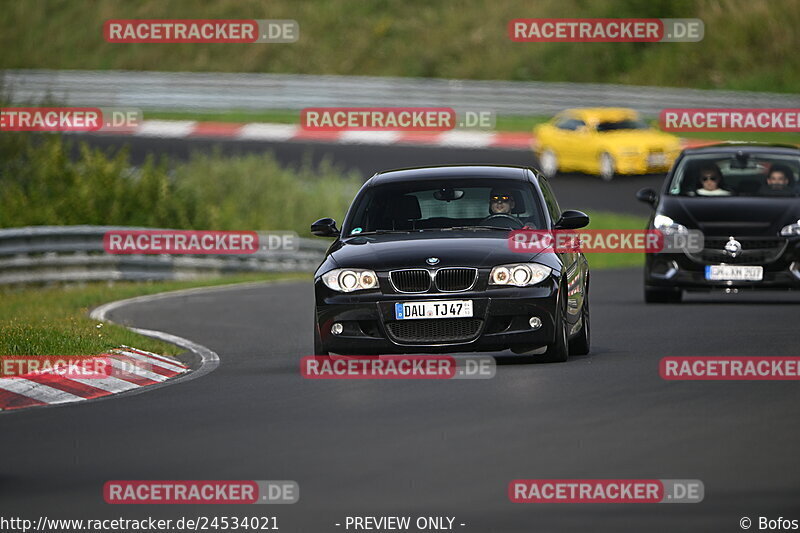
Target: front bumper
(501,317)
(685,271)
(640,164)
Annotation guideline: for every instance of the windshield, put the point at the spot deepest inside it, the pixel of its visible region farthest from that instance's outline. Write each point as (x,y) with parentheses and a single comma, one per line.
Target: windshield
(726,174)
(629,124)
(483,203)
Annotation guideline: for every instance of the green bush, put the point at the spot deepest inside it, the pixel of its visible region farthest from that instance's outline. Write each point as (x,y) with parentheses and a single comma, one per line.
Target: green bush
(41,184)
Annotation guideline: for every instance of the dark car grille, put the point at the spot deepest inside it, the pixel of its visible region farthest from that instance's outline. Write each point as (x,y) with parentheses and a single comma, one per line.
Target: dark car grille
(447,279)
(756,250)
(455,279)
(411,280)
(435,331)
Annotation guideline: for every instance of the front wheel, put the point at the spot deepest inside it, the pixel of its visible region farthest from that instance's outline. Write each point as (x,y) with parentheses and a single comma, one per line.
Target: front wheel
(558,351)
(607,167)
(581,343)
(319,349)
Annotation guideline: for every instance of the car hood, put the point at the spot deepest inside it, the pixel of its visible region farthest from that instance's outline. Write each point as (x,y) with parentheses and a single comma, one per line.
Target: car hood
(452,248)
(737,216)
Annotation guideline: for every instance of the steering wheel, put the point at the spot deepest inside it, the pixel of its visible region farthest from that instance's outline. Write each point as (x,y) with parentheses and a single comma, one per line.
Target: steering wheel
(515,222)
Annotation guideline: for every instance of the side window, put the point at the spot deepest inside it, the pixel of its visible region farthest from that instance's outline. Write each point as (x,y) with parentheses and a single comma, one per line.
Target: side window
(570,124)
(550,199)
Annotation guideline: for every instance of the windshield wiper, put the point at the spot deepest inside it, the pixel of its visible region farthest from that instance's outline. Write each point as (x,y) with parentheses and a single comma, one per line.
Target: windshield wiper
(389,231)
(476,227)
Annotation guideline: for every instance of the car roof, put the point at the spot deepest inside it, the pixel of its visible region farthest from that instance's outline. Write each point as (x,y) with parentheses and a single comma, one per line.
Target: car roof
(451,171)
(734,147)
(601,114)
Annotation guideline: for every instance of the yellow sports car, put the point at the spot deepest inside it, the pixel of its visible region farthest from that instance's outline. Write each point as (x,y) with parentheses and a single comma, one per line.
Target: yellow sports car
(604,141)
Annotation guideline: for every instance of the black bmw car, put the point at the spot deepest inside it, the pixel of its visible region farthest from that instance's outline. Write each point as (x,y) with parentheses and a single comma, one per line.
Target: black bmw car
(745,199)
(422,264)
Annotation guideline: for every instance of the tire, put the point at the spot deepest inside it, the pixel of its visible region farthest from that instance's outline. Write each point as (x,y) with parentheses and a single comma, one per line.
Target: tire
(581,343)
(558,351)
(318,346)
(548,162)
(607,166)
(658,295)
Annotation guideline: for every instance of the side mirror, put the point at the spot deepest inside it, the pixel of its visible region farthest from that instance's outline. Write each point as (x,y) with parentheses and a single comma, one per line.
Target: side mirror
(571,219)
(325,227)
(648,196)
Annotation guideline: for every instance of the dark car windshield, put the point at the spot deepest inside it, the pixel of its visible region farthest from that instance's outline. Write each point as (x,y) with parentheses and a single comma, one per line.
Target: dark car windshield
(445,204)
(622,125)
(725,174)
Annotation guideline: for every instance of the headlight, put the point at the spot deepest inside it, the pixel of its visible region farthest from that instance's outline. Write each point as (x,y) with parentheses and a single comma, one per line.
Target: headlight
(350,279)
(791,230)
(668,226)
(520,275)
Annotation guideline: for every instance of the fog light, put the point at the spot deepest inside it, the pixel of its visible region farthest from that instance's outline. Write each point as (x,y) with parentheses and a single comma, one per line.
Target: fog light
(535,322)
(337,328)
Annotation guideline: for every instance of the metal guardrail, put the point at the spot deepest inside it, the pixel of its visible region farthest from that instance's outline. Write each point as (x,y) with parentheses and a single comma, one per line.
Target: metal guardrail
(223,91)
(55,254)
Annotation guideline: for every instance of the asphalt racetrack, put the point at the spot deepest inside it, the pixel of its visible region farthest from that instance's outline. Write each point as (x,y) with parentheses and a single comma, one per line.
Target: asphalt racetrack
(430,447)
(419,447)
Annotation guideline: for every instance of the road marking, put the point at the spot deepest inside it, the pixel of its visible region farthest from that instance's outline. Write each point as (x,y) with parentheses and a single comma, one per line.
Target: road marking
(37,391)
(165,128)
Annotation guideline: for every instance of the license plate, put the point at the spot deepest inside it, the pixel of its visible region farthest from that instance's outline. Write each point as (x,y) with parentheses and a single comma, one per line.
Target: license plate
(657,160)
(734,273)
(443,309)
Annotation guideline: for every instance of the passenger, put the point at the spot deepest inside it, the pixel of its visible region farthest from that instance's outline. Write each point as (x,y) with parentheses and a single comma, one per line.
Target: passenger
(779,181)
(710,181)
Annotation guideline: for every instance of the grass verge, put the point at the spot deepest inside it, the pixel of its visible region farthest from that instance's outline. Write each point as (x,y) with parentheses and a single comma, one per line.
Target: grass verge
(604,220)
(747,45)
(55,321)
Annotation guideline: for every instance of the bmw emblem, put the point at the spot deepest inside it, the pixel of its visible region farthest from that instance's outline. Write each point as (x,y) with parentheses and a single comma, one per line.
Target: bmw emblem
(733,247)
(432,261)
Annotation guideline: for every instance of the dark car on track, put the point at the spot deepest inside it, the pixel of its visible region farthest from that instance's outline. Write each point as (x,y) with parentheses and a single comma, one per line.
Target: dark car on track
(745,199)
(422,264)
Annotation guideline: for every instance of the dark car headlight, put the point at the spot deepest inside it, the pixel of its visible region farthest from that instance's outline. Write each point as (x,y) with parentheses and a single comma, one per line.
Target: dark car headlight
(350,279)
(519,274)
(791,230)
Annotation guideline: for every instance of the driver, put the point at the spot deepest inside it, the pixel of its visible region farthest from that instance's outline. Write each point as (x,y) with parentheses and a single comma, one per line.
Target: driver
(501,202)
(710,180)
